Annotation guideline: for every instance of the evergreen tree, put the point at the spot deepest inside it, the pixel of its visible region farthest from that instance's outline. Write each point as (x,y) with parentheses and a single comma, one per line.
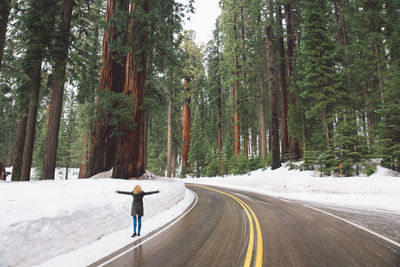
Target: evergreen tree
(192,69)
(318,81)
(111,80)
(60,58)
(273,100)
(5,6)
(37,38)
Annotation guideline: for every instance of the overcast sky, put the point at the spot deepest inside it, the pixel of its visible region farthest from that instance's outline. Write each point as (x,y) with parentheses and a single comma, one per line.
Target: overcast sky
(203,20)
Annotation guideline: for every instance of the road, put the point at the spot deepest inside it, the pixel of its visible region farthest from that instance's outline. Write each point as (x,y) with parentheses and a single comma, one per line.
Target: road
(237,228)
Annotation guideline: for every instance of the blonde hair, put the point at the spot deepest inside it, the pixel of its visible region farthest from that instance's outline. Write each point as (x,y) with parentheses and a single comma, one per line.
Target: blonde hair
(137,189)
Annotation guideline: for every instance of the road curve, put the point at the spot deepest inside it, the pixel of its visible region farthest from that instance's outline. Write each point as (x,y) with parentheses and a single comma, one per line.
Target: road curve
(218,231)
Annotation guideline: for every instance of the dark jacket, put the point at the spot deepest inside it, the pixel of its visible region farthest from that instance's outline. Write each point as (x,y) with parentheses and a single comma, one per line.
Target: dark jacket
(137,204)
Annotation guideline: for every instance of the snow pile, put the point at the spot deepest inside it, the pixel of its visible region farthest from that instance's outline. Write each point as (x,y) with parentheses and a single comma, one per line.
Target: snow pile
(379,190)
(43,219)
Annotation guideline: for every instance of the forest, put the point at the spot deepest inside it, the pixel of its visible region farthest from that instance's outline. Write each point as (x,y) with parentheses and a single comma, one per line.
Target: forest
(119,84)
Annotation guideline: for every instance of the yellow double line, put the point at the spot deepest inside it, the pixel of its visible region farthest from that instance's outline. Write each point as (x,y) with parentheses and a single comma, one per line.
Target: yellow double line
(250,217)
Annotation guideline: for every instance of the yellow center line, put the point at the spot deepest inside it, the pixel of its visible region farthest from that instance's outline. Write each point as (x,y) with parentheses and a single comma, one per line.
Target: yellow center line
(259,251)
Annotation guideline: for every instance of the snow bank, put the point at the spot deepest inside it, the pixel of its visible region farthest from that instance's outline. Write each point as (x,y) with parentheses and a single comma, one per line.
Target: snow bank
(43,219)
(377,191)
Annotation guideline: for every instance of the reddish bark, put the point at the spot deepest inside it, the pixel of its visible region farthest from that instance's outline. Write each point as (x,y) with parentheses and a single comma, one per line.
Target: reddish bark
(262,112)
(54,115)
(273,101)
(244,83)
(169,140)
(130,156)
(3,174)
(236,92)
(219,122)
(19,147)
(295,149)
(35,75)
(82,169)
(186,126)
(112,77)
(246,144)
(237,128)
(282,76)
(219,106)
(174,155)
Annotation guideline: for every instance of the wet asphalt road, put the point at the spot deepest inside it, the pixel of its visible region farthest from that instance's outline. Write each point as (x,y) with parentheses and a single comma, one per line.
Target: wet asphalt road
(221,230)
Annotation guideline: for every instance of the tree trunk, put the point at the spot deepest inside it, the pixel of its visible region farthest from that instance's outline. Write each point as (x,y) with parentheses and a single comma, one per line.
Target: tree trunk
(38,39)
(186,127)
(244,85)
(84,160)
(326,122)
(146,130)
(219,106)
(246,142)
(342,33)
(375,28)
(5,6)
(284,107)
(3,175)
(295,149)
(273,101)
(112,77)
(68,154)
(174,155)
(380,79)
(254,141)
(262,112)
(50,149)
(130,155)
(169,141)
(35,77)
(236,92)
(368,111)
(342,36)
(19,146)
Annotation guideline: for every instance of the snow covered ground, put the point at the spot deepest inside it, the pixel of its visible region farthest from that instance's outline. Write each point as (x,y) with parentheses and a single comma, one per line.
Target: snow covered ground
(44,219)
(75,222)
(380,190)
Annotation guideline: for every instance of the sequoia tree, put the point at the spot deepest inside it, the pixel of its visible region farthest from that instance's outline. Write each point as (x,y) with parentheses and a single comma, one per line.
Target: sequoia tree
(61,54)
(191,70)
(130,154)
(112,79)
(294,146)
(282,82)
(273,100)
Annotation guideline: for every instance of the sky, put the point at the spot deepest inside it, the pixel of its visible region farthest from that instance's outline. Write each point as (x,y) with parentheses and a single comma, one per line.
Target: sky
(50,230)
(203,20)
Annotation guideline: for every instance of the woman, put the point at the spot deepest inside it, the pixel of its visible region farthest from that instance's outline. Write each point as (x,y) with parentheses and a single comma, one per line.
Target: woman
(137,205)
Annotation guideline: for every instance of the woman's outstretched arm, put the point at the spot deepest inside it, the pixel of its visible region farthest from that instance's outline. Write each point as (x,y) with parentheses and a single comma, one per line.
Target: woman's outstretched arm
(151,192)
(123,192)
